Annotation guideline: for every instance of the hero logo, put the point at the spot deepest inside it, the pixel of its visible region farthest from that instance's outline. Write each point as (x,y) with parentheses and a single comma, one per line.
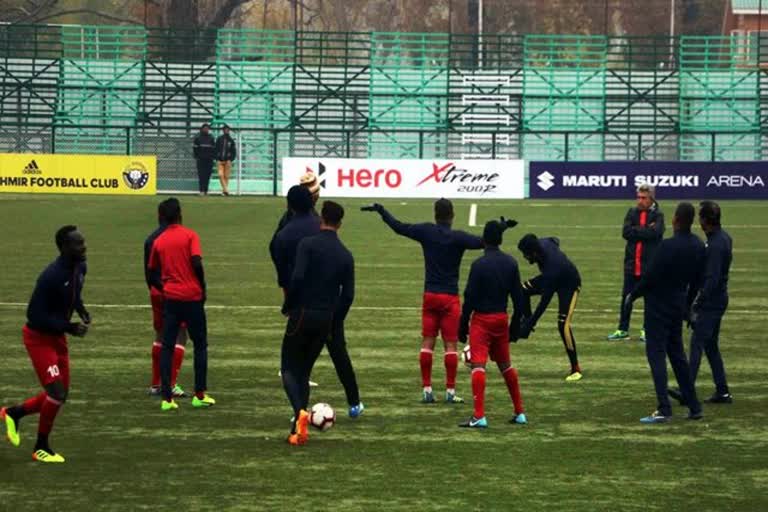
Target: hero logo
(546,181)
(365,178)
(467,180)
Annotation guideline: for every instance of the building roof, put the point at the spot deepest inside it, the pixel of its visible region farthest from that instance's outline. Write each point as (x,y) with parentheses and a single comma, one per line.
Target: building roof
(749,6)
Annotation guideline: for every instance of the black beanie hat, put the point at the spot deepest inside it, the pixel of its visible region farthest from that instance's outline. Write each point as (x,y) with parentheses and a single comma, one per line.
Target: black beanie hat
(299,199)
(492,234)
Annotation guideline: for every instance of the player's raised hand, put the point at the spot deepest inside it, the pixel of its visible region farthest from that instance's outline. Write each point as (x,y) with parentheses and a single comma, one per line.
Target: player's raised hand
(375,207)
(507,223)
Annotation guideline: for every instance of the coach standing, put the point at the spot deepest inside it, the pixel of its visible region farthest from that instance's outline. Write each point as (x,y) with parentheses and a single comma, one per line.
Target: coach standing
(204,151)
(226,152)
(643,230)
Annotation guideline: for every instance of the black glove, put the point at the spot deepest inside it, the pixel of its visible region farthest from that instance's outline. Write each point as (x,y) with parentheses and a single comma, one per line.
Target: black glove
(507,223)
(375,207)
(85,316)
(514,331)
(463,331)
(77,329)
(526,328)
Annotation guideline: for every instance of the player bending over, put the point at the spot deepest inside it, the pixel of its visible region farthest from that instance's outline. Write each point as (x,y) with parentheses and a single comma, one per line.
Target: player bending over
(57,295)
(492,278)
(558,275)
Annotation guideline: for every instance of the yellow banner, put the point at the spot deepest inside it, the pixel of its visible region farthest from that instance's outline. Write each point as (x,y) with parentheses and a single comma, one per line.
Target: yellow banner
(78,174)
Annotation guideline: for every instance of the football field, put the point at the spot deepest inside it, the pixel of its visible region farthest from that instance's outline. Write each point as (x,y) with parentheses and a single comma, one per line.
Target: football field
(584,448)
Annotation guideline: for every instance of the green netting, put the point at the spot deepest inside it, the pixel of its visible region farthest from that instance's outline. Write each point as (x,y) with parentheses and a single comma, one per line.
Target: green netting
(101,75)
(564,90)
(254,84)
(408,90)
(719,92)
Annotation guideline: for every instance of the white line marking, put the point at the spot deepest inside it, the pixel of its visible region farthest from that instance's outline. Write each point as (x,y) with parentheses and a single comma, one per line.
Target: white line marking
(415,308)
(473,215)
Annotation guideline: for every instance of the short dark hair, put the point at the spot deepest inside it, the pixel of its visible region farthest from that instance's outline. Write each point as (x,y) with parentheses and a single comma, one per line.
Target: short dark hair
(62,234)
(443,210)
(492,234)
(299,199)
(685,212)
(332,213)
(529,244)
(205,125)
(709,211)
(170,210)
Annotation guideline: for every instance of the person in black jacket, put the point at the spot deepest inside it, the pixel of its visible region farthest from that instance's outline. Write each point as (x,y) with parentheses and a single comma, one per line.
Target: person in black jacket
(204,151)
(226,152)
(710,304)
(320,293)
(643,230)
(668,287)
(308,181)
(56,296)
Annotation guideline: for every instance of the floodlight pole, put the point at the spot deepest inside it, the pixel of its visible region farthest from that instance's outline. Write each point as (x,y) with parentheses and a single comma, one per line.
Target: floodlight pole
(671,32)
(480,32)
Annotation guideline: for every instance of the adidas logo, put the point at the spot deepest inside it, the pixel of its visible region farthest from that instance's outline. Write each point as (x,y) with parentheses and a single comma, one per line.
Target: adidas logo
(32,168)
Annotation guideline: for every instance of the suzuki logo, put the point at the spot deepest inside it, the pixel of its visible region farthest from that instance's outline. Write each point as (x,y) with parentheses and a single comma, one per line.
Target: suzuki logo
(546,181)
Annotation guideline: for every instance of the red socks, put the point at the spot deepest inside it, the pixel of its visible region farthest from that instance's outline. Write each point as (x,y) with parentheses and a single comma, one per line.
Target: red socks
(478,391)
(34,404)
(48,412)
(156,348)
(425,361)
(451,361)
(513,385)
(178,358)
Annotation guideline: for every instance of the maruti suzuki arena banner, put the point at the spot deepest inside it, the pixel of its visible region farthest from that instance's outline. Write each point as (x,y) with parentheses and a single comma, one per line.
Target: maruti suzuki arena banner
(351,177)
(78,174)
(676,180)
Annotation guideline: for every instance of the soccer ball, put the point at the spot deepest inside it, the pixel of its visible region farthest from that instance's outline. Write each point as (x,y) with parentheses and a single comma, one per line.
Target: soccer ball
(322,416)
(466,357)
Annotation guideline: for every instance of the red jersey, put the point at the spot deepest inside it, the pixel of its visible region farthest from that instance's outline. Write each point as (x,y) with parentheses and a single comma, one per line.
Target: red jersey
(172,252)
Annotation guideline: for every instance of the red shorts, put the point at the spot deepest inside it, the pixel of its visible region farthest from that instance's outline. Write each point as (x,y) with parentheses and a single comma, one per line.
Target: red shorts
(489,335)
(440,313)
(49,355)
(157,300)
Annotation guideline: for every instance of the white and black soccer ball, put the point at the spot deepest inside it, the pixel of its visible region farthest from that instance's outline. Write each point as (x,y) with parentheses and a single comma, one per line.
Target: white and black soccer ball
(466,356)
(322,416)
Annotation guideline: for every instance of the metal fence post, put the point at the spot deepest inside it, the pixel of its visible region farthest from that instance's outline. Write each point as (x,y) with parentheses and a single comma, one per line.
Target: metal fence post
(421,144)
(493,146)
(274,163)
(127,140)
(567,148)
(347,137)
(639,146)
(714,153)
(239,161)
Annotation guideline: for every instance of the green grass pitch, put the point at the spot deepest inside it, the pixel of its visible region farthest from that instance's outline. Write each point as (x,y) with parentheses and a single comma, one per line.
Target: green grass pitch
(584,448)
